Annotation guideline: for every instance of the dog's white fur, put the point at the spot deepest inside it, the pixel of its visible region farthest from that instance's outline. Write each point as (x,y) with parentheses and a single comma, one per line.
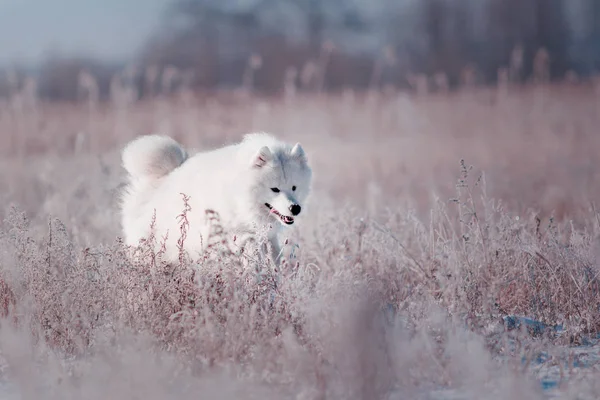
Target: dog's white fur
(235,181)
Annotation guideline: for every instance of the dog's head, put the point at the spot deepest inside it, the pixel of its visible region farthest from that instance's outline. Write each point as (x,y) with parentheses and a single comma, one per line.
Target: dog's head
(283,184)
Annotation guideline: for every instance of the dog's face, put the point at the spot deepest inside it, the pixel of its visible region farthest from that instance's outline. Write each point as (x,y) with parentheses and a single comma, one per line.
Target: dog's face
(283,184)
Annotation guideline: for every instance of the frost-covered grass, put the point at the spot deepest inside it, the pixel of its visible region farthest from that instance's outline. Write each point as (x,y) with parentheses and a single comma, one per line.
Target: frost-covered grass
(398,282)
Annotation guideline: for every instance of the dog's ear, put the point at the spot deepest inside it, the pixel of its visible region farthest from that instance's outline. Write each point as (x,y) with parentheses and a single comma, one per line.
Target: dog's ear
(298,153)
(262,157)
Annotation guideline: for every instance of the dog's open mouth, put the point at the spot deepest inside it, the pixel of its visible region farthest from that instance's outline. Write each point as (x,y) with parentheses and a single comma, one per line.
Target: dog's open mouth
(284,218)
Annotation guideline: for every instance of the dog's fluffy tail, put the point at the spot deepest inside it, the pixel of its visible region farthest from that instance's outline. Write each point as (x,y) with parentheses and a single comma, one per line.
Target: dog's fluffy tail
(151,157)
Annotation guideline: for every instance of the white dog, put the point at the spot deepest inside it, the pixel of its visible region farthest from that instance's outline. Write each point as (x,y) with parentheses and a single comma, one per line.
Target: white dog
(257,183)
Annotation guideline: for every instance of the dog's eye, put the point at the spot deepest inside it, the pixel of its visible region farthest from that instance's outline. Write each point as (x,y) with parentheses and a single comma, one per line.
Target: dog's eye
(276,190)
(294,188)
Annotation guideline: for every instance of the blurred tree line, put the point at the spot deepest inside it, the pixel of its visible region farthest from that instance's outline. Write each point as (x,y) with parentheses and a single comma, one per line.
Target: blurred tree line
(331,44)
(401,38)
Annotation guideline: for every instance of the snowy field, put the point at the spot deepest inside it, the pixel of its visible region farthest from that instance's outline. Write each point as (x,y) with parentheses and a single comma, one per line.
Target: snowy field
(451,250)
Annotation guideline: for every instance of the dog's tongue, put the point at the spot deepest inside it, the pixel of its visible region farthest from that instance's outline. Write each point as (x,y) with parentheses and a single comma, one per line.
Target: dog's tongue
(288,219)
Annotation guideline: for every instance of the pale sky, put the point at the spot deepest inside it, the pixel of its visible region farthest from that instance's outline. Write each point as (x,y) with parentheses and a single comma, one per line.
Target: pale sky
(107,29)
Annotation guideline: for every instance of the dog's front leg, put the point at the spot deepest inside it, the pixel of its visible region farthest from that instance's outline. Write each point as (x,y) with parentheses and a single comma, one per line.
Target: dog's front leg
(275,249)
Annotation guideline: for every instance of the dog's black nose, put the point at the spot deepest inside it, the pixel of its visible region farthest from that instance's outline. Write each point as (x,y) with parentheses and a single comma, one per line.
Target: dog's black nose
(295,209)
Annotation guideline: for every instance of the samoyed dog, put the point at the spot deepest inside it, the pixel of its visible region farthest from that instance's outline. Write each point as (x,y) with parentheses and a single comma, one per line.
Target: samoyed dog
(259,184)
